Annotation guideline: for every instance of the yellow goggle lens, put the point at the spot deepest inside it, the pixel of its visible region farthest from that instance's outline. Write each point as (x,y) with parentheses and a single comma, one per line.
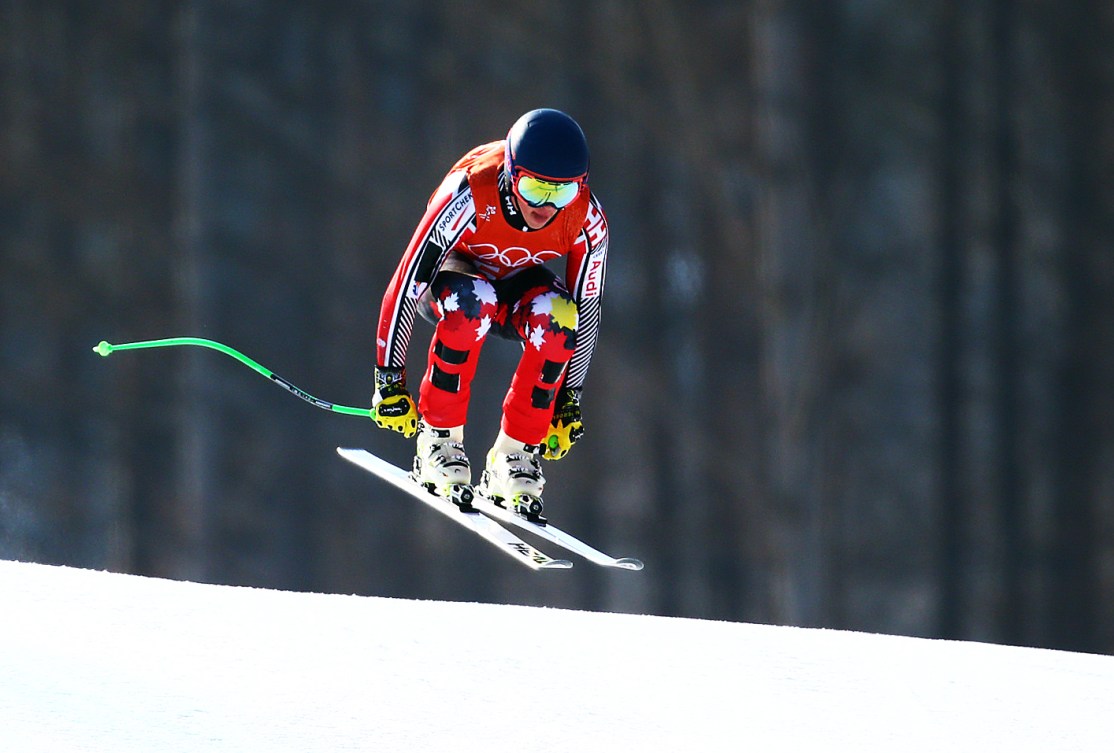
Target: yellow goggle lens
(537,192)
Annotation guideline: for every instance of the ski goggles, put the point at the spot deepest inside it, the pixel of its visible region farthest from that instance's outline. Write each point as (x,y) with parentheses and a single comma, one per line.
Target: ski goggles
(538,192)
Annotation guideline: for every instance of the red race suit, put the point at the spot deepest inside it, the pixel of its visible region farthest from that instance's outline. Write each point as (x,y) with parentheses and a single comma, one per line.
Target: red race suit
(473,268)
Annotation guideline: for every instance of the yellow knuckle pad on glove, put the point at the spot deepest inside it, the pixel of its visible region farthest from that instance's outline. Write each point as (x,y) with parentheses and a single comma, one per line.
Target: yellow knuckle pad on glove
(398,413)
(561,438)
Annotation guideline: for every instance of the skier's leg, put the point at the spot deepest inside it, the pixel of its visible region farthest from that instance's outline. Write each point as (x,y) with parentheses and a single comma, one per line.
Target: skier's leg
(545,320)
(463,307)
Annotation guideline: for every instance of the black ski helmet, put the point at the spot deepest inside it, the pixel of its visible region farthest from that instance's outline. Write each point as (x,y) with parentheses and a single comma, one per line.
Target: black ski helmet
(548,144)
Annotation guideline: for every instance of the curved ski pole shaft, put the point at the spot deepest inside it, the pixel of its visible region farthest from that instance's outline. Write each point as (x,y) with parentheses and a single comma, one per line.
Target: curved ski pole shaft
(105,349)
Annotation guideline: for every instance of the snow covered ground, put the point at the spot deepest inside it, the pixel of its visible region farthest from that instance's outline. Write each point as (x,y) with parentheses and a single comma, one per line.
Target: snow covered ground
(100,662)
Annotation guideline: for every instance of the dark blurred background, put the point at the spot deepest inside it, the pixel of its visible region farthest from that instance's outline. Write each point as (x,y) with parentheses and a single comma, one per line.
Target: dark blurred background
(856,365)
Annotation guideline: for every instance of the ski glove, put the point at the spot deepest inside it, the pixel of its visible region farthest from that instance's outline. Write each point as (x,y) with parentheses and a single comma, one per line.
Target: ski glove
(391,405)
(567,425)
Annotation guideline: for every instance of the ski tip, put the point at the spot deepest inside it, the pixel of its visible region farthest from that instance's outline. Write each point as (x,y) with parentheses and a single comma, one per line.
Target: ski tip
(557,565)
(629,563)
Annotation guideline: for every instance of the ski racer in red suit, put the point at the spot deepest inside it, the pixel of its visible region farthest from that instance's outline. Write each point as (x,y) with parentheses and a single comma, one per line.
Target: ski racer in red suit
(475,267)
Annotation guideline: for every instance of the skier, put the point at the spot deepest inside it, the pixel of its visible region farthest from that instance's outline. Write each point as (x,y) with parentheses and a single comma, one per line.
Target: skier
(474,267)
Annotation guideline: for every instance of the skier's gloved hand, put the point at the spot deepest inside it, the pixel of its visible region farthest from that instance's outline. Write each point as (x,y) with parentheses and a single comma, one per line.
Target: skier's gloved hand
(567,425)
(391,405)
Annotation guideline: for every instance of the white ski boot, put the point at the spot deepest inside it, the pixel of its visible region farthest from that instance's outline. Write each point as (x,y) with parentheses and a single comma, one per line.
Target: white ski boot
(441,466)
(513,477)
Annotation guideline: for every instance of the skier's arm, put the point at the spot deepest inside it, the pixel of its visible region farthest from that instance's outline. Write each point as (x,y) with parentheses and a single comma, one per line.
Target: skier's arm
(449,213)
(587,265)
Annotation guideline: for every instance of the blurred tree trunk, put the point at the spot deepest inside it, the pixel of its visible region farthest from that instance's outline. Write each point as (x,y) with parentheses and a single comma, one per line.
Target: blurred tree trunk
(1008,358)
(689,503)
(1080,615)
(952,448)
(192,275)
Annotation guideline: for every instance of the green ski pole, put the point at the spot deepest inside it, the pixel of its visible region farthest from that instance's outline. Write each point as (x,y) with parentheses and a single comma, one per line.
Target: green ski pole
(106,349)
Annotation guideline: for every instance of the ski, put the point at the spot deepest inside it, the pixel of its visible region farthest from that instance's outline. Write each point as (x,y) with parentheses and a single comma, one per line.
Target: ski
(551,533)
(474,521)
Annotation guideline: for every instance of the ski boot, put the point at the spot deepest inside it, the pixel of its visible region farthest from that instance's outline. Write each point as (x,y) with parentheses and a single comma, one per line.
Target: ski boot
(441,466)
(513,478)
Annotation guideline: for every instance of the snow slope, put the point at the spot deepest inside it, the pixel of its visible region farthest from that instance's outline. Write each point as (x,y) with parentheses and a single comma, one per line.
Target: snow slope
(100,662)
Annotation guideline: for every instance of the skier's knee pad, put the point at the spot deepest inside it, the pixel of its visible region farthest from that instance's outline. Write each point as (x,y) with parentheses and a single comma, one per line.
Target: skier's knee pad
(551,325)
(554,344)
(461,304)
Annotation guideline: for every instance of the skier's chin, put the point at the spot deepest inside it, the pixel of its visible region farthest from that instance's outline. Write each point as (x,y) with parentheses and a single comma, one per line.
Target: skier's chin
(538,217)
